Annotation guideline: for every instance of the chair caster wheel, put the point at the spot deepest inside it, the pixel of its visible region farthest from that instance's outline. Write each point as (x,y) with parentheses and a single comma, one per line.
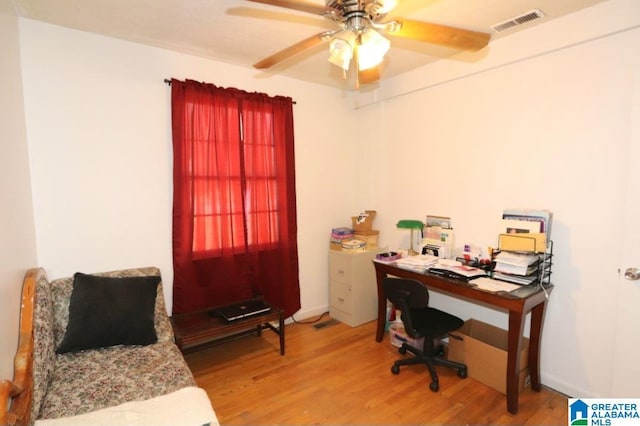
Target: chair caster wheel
(434,386)
(395,369)
(462,373)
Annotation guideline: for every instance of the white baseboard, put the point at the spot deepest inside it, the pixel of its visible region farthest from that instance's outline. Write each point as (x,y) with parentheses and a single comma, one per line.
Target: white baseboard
(566,388)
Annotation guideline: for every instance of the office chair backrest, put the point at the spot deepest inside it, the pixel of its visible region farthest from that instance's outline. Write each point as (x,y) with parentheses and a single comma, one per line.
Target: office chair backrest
(406,294)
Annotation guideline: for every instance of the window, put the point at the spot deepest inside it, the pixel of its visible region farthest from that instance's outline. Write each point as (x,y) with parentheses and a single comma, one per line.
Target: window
(234,201)
(242,193)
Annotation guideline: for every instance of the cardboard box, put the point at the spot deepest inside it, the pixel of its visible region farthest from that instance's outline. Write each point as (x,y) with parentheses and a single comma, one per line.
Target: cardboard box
(335,246)
(366,224)
(483,348)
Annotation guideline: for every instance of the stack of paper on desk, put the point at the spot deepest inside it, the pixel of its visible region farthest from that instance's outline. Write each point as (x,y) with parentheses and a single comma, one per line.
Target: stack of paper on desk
(519,268)
(492,285)
(518,279)
(517,263)
(418,263)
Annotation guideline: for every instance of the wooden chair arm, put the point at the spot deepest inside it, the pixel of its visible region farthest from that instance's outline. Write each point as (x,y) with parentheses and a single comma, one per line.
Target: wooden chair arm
(8,390)
(16,396)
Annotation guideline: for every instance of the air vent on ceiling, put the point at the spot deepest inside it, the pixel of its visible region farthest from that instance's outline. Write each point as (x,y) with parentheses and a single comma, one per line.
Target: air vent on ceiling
(532,15)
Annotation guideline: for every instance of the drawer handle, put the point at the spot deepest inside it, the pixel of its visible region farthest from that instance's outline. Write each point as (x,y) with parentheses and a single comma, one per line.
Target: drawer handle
(340,271)
(340,299)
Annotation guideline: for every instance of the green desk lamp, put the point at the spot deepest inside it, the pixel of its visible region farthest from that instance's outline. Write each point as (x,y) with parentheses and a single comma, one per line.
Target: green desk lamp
(413,225)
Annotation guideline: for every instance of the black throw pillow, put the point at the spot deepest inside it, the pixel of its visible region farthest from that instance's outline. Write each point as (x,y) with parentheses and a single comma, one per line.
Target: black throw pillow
(110,311)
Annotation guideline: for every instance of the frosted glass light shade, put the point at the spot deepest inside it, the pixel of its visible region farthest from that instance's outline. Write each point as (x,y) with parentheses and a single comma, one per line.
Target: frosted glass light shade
(341,49)
(387,6)
(372,49)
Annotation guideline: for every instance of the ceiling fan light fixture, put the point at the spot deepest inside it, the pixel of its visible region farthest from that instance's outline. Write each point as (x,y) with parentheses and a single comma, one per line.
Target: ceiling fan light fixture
(341,49)
(372,49)
(358,45)
(386,6)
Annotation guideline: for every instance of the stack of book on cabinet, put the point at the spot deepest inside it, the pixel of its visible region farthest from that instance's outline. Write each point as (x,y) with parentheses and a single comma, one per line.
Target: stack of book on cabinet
(339,236)
(354,246)
(518,268)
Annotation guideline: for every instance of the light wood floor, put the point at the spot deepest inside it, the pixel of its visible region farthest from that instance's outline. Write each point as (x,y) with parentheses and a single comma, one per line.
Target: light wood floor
(340,375)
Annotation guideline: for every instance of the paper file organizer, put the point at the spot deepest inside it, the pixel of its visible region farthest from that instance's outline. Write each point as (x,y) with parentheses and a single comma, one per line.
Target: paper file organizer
(534,243)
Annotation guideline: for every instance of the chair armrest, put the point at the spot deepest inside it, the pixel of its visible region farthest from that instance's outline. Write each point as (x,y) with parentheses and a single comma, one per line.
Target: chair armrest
(8,410)
(16,396)
(6,389)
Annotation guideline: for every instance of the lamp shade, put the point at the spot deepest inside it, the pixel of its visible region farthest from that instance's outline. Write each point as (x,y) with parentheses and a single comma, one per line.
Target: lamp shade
(387,6)
(341,49)
(410,224)
(372,49)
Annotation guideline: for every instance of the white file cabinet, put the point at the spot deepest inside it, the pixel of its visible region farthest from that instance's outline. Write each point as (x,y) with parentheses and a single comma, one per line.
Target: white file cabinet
(352,287)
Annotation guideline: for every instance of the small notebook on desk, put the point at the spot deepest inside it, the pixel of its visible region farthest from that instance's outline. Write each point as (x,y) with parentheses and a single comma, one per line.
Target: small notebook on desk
(242,310)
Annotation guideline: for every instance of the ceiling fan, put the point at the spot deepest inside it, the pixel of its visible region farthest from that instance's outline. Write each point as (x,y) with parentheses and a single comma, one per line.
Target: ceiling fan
(358,45)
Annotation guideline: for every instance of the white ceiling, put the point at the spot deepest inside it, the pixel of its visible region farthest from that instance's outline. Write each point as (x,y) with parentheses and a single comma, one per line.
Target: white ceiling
(241,32)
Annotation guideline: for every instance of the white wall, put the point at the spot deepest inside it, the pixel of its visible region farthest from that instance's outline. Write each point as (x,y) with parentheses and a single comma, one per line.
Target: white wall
(523,128)
(98,123)
(17,235)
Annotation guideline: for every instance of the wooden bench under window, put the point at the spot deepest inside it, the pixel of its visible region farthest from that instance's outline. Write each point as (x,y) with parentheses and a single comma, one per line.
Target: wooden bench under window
(197,330)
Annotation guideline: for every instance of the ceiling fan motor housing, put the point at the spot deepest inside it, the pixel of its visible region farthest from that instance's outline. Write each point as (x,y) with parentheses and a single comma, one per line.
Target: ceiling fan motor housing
(355,15)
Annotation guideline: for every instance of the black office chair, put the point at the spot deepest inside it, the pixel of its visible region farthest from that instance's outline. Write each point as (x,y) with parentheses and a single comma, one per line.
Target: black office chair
(412,298)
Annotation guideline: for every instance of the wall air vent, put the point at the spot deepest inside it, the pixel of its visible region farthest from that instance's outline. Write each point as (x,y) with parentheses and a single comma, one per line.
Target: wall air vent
(532,15)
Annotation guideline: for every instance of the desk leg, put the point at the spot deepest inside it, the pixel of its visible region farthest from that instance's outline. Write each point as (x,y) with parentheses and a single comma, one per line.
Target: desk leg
(535,334)
(516,327)
(382,306)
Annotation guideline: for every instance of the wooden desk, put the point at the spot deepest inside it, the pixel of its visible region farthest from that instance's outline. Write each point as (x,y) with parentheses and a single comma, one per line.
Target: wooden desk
(527,299)
(195,330)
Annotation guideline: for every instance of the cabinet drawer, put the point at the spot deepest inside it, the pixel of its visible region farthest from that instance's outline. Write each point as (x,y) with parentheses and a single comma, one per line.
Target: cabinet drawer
(341,268)
(341,297)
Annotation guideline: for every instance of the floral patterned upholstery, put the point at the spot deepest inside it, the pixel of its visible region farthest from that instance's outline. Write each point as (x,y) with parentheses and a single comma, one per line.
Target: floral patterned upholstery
(44,356)
(94,379)
(75,383)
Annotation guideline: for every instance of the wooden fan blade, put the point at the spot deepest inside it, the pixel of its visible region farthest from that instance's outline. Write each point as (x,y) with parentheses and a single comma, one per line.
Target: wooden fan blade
(294,49)
(438,34)
(301,5)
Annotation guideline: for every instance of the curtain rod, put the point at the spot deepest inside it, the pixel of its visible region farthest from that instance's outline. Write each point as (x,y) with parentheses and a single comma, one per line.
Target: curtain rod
(168,81)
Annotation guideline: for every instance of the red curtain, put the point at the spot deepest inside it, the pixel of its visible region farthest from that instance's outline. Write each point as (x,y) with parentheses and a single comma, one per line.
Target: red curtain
(234,202)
